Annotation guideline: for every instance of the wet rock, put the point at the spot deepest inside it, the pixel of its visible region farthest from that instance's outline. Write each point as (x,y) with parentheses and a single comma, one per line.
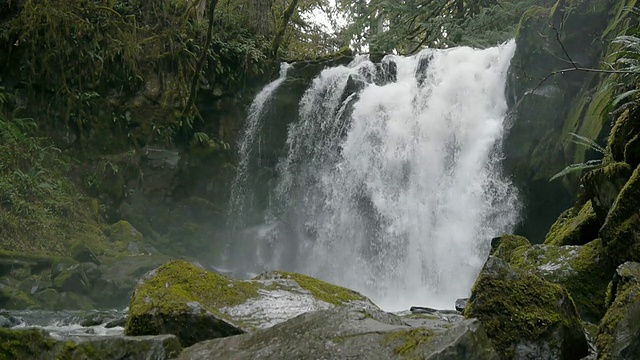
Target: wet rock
(347,332)
(619,331)
(461,304)
(7,320)
(525,316)
(119,322)
(210,305)
(422,310)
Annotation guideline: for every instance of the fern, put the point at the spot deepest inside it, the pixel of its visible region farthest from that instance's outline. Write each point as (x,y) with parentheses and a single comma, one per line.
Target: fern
(587,165)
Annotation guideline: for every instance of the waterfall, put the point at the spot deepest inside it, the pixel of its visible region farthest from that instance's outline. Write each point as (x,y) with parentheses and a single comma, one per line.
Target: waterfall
(392,183)
(247,141)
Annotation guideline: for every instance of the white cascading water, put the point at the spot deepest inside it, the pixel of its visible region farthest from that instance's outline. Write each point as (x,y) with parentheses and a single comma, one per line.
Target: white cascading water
(394,187)
(248,138)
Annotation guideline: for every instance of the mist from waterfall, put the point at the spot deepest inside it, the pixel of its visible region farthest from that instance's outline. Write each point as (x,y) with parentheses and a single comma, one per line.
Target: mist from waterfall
(392,184)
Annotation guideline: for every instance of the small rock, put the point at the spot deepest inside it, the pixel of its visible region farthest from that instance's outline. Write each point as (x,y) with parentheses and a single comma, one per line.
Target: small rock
(422,310)
(461,304)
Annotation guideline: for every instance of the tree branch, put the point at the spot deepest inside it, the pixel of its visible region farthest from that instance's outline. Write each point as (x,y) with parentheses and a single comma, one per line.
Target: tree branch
(193,92)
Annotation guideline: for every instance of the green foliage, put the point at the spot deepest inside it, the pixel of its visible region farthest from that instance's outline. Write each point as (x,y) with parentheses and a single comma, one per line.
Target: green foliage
(410,25)
(589,164)
(80,59)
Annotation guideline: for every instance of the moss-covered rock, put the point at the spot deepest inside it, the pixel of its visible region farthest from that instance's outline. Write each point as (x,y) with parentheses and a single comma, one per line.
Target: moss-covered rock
(524,315)
(321,290)
(24,344)
(574,227)
(505,246)
(623,131)
(583,270)
(77,278)
(603,185)
(632,151)
(11,298)
(37,344)
(621,230)
(619,331)
(186,300)
(183,299)
(80,252)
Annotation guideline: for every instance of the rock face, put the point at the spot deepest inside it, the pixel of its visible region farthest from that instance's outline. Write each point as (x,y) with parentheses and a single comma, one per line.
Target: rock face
(536,146)
(350,333)
(194,304)
(525,316)
(619,332)
(37,344)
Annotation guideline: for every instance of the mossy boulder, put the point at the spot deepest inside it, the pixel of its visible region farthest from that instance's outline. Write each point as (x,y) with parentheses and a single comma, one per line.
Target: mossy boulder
(505,246)
(621,231)
(351,333)
(632,151)
(11,298)
(525,316)
(624,130)
(183,299)
(619,330)
(583,270)
(125,239)
(80,252)
(603,185)
(77,278)
(576,226)
(195,304)
(37,344)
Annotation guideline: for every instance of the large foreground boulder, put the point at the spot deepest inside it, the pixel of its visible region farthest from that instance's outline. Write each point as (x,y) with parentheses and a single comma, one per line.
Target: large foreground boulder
(350,333)
(26,344)
(183,299)
(525,316)
(619,331)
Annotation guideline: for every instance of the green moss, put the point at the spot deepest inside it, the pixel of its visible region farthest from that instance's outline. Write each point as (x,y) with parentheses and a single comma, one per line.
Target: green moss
(168,289)
(515,305)
(619,232)
(24,344)
(626,302)
(407,341)
(14,299)
(573,228)
(507,246)
(324,291)
(582,270)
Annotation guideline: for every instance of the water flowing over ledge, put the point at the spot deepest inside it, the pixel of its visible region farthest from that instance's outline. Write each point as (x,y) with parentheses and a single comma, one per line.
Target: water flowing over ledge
(392,183)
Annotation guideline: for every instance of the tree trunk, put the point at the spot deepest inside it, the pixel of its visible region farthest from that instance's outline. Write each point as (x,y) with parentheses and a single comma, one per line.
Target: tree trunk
(193,91)
(277,40)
